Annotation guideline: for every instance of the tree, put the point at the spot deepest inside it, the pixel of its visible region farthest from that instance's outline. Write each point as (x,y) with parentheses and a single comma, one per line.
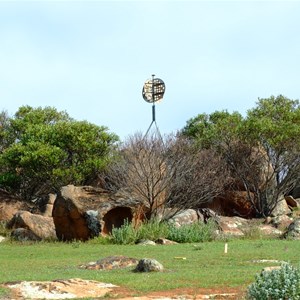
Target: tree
(275,127)
(213,130)
(168,173)
(198,175)
(5,138)
(261,151)
(49,149)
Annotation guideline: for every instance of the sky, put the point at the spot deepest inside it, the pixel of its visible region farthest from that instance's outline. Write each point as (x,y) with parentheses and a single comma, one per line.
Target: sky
(91,58)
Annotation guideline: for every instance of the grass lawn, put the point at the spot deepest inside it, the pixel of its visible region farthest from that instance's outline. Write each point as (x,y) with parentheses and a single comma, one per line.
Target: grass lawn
(206,265)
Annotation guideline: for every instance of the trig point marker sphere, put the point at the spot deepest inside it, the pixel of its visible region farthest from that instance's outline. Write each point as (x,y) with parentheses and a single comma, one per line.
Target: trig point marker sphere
(153,90)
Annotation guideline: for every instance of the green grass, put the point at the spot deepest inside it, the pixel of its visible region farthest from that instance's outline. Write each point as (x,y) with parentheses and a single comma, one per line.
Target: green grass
(205,266)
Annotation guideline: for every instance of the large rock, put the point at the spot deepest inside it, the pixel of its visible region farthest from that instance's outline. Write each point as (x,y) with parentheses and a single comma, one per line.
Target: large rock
(9,205)
(232,203)
(74,219)
(233,226)
(111,262)
(185,217)
(293,231)
(149,265)
(236,226)
(281,208)
(46,205)
(292,202)
(23,235)
(40,226)
(60,289)
(282,221)
(81,213)
(269,230)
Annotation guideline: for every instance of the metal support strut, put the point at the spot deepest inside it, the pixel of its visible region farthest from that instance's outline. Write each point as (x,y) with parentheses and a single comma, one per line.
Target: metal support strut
(153,99)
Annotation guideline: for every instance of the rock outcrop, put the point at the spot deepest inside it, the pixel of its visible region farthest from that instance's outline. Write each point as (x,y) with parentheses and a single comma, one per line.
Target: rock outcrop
(233,226)
(24,235)
(281,208)
(282,221)
(186,217)
(60,289)
(292,202)
(238,227)
(41,227)
(111,262)
(293,231)
(81,213)
(75,216)
(46,207)
(9,205)
(232,203)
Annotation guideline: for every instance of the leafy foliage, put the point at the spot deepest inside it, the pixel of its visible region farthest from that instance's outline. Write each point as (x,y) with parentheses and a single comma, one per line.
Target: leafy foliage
(283,283)
(275,125)
(48,149)
(153,230)
(261,151)
(214,130)
(128,234)
(193,233)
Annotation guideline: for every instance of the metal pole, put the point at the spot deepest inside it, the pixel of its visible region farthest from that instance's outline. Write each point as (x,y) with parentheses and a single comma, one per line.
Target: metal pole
(153,88)
(153,112)
(153,98)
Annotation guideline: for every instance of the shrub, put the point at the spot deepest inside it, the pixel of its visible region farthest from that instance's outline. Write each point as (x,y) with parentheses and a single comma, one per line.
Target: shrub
(128,234)
(283,283)
(152,230)
(252,233)
(192,233)
(124,235)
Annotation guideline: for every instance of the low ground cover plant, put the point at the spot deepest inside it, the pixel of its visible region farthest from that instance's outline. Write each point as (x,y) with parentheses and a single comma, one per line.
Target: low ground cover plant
(282,283)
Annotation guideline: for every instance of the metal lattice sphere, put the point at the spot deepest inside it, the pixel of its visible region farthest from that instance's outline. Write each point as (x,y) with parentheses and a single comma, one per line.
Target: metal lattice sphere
(153,90)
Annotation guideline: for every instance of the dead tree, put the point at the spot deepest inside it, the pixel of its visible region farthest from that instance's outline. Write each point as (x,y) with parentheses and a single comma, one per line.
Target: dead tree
(264,174)
(166,174)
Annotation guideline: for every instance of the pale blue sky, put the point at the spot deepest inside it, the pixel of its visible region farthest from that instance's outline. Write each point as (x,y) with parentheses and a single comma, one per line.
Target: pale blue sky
(91,58)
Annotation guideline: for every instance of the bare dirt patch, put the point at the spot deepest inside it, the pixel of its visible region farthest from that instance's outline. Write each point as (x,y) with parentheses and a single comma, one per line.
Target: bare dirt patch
(78,288)
(200,293)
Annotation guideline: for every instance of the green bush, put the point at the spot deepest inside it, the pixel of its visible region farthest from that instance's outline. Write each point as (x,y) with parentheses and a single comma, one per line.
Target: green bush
(192,233)
(124,235)
(128,234)
(283,283)
(252,233)
(153,230)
